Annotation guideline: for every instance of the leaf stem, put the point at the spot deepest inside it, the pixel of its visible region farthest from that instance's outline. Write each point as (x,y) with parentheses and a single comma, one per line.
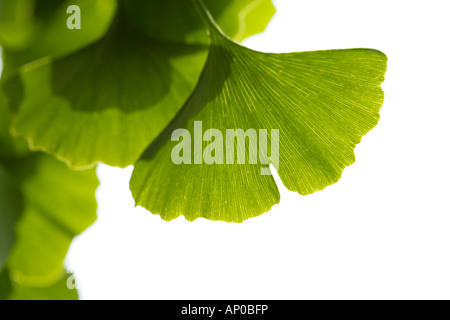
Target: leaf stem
(211,25)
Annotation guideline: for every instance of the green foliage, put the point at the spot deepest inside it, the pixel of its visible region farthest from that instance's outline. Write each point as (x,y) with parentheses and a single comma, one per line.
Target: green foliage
(43,205)
(59,204)
(114,92)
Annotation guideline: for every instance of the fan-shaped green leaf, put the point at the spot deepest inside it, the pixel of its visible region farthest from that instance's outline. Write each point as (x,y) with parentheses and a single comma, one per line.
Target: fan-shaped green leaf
(321,102)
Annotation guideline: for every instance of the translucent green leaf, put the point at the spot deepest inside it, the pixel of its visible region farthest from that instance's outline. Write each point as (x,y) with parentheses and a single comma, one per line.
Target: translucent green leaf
(321,102)
(107,101)
(32,29)
(17,21)
(58,204)
(43,205)
(56,291)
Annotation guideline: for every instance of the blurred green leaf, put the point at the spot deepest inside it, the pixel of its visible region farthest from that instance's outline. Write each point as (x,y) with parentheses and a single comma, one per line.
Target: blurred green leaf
(5,284)
(321,102)
(43,205)
(10,147)
(58,205)
(32,29)
(10,210)
(102,109)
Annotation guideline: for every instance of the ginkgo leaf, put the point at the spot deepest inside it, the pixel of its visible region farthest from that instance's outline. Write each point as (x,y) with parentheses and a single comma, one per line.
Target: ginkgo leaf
(56,291)
(252,19)
(320,102)
(58,204)
(43,205)
(106,102)
(32,29)
(5,284)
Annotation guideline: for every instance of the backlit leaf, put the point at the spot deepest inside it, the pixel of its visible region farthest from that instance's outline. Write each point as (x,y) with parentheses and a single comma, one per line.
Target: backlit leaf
(5,284)
(56,291)
(10,210)
(179,20)
(321,102)
(43,205)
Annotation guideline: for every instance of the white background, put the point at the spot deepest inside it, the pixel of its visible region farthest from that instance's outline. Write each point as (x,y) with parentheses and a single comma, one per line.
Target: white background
(381,232)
